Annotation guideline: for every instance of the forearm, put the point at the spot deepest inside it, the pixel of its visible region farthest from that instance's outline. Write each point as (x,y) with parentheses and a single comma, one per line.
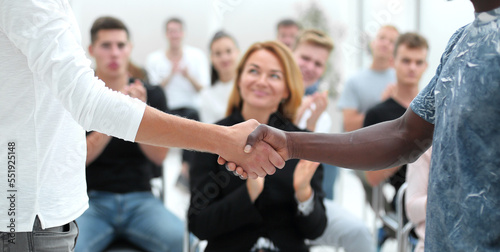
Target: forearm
(353,121)
(374,178)
(161,129)
(96,143)
(153,153)
(387,144)
(165,81)
(303,193)
(311,123)
(195,83)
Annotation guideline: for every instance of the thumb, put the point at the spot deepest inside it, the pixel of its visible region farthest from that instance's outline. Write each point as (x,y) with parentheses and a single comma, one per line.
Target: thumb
(258,134)
(137,82)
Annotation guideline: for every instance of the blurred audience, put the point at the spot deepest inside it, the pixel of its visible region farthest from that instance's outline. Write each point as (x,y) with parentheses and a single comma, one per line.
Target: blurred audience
(275,213)
(410,62)
(224,54)
(287,32)
(366,88)
(311,52)
(182,71)
(118,173)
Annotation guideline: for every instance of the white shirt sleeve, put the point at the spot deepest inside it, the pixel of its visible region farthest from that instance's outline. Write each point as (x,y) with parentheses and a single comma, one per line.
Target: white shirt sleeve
(46,32)
(306,207)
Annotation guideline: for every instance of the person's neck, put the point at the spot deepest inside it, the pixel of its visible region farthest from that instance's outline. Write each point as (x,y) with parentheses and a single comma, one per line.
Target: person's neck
(381,64)
(174,52)
(261,115)
(115,83)
(404,94)
(226,76)
(485,5)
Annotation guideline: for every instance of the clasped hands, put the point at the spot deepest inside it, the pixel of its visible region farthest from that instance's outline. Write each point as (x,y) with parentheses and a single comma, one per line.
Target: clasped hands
(265,149)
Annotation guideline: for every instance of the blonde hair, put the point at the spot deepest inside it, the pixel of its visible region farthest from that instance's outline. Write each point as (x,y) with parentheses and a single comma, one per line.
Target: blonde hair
(315,37)
(292,77)
(388,26)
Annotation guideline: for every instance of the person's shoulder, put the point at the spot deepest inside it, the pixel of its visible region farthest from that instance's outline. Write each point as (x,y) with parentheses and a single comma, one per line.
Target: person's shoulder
(155,55)
(277,120)
(156,97)
(232,119)
(359,77)
(152,88)
(381,106)
(193,51)
(454,40)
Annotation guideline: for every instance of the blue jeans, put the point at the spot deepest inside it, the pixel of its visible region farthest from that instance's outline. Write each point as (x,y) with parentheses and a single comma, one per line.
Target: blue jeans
(138,217)
(330,174)
(55,239)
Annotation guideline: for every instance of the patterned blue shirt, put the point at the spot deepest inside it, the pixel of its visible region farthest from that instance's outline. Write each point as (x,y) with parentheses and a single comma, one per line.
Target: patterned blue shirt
(463,103)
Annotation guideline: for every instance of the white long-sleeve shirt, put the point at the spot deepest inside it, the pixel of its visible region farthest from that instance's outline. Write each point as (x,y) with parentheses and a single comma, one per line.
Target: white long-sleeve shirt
(48,96)
(179,91)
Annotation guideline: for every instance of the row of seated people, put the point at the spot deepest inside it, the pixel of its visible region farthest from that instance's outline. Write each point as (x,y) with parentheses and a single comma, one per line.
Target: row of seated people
(118,173)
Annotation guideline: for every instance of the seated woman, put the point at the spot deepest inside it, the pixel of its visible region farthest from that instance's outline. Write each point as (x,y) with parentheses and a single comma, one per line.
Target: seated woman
(417,177)
(278,212)
(224,54)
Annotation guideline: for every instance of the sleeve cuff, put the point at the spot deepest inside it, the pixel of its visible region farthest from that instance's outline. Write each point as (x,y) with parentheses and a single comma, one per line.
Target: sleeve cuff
(306,207)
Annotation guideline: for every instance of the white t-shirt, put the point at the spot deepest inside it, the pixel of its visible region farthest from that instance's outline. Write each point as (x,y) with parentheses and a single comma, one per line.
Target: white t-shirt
(180,92)
(323,125)
(48,96)
(214,101)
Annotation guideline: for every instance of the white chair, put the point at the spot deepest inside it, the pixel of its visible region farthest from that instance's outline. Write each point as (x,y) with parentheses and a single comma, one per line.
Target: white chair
(404,229)
(394,220)
(190,246)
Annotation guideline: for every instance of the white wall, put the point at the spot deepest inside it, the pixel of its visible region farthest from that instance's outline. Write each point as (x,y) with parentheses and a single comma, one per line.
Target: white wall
(255,20)
(440,19)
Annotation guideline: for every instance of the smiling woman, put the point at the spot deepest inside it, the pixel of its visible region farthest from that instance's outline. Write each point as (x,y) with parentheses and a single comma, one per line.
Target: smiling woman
(280,211)
(273,63)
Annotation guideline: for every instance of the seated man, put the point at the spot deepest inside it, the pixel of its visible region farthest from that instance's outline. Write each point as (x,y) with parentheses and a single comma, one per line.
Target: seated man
(311,52)
(410,62)
(121,204)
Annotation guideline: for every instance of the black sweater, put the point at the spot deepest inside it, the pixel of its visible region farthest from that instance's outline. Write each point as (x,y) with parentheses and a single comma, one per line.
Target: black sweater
(122,167)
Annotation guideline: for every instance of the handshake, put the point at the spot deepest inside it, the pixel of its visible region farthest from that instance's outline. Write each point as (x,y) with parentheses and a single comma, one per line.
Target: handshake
(265,149)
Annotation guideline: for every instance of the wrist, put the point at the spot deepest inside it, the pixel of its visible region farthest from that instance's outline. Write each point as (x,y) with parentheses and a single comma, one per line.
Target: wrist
(311,126)
(303,194)
(253,193)
(290,145)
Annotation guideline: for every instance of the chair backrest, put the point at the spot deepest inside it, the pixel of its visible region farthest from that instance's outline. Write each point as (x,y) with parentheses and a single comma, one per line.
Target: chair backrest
(404,228)
(191,242)
(395,221)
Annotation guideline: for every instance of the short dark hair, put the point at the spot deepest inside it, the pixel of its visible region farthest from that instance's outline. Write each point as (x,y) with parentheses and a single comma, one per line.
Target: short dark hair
(106,23)
(412,40)
(174,20)
(288,22)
